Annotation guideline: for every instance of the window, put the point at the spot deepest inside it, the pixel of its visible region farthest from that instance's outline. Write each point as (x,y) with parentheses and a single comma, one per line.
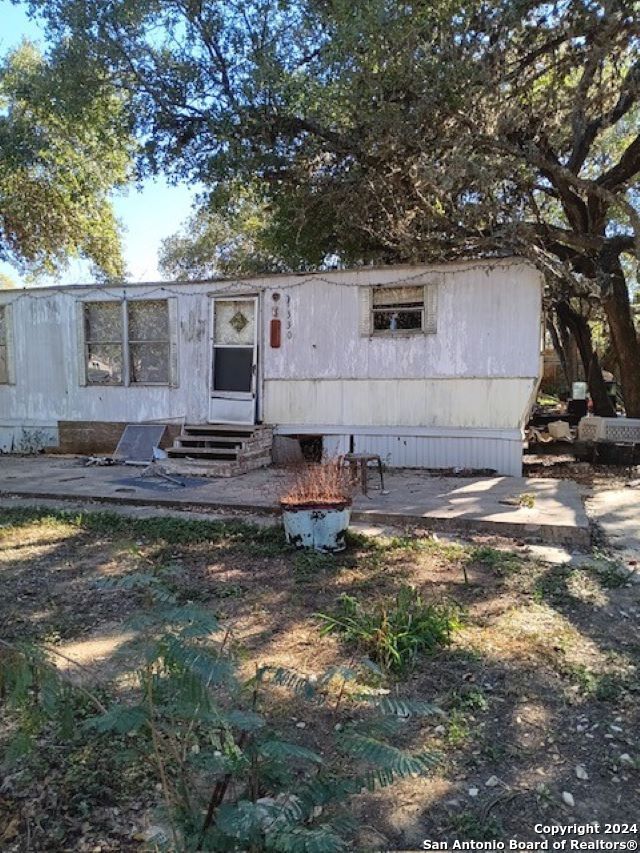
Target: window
(127,343)
(6,377)
(399,310)
(149,342)
(104,352)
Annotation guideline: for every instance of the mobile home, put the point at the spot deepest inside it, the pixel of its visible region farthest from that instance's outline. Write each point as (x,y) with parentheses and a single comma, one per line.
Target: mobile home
(427,366)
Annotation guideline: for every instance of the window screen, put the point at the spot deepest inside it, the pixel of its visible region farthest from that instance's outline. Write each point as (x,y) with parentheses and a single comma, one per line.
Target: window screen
(103,343)
(233,368)
(149,341)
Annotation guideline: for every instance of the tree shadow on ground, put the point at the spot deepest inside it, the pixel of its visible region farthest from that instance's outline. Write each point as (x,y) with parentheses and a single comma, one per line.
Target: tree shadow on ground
(519,706)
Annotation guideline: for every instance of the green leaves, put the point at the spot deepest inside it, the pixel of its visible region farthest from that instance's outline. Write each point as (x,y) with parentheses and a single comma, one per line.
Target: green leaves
(214,740)
(280,750)
(394,634)
(120,719)
(386,757)
(395,706)
(301,839)
(65,146)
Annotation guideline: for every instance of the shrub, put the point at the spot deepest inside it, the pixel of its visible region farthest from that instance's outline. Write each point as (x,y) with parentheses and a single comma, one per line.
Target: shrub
(326,482)
(229,779)
(394,634)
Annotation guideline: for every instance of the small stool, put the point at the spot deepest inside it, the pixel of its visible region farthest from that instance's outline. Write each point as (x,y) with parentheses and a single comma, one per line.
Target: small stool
(362,460)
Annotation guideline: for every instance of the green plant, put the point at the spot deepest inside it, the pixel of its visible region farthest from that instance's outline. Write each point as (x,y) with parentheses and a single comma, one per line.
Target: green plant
(457,728)
(527,499)
(605,687)
(501,563)
(609,573)
(249,538)
(308,563)
(470,699)
(229,779)
(478,827)
(394,634)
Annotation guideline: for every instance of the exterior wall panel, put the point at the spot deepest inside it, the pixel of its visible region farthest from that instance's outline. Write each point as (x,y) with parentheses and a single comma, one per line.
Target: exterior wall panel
(474,403)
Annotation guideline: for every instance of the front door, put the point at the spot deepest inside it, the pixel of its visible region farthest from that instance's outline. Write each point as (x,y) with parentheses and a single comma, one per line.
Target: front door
(234,359)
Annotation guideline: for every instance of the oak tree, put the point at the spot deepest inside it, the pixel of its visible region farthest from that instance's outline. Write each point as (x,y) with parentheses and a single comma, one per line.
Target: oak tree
(394,131)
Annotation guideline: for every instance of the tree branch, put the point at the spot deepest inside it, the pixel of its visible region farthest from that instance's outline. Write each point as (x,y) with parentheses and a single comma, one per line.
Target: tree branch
(629,92)
(627,167)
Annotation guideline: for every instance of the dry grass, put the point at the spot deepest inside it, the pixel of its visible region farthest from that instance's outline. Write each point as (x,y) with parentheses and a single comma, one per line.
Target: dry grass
(543,675)
(319,484)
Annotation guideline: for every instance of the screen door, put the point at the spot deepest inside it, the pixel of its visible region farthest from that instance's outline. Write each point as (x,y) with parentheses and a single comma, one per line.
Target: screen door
(234,358)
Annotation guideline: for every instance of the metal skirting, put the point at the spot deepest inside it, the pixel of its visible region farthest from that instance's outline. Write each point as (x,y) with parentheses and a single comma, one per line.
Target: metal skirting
(503,455)
(475,449)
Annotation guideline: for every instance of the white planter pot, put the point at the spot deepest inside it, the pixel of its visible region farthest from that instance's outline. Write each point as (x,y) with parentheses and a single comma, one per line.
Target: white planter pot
(321,527)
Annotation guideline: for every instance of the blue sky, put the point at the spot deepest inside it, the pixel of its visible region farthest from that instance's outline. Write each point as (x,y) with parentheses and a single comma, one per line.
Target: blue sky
(148,214)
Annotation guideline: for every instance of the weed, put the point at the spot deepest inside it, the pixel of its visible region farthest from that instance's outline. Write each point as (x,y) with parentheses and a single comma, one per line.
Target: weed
(457,729)
(306,564)
(469,825)
(470,699)
(609,688)
(501,563)
(552,586)
(494,752)
(608,572)
(605,687)
(394,634)
(250,538)
(544,793)
(411,544)
(527,499)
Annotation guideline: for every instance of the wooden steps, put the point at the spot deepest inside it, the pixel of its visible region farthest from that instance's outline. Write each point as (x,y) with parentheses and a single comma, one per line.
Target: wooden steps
(220,450)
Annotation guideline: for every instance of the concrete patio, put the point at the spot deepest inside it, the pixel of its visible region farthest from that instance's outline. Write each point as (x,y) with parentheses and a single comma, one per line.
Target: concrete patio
(415,498)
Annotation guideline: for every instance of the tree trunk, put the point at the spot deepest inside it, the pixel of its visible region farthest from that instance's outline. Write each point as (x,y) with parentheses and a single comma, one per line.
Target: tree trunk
(582,333)
(615,301)
(580,330)
(602,404)
(559,348)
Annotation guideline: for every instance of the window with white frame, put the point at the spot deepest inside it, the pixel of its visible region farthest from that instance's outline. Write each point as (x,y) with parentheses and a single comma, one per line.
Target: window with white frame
(398,310)
(127,342)
(5,345)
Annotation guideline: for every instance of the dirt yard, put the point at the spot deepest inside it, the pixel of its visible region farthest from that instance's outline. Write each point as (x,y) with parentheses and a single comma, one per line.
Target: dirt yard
(540,687)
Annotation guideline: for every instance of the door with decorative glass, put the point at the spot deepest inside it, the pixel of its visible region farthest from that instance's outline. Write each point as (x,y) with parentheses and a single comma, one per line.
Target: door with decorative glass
(234,360)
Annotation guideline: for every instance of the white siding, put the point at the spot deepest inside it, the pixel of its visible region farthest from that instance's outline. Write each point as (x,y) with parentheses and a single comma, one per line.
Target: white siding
(485,403)
(488,325)
(49,382)
(477,371)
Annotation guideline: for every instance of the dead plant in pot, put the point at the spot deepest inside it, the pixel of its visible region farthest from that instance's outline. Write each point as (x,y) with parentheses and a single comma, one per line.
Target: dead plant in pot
(316,507)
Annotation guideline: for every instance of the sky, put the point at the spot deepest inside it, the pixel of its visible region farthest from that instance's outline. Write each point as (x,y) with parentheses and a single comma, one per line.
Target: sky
(149,213)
